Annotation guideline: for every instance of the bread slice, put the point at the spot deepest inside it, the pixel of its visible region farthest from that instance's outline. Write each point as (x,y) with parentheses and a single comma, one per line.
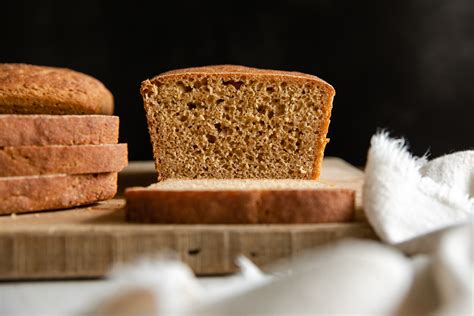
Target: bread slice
(39,160)
(36,193)
(29,89)
(237,122)
(42,130)
(237,201)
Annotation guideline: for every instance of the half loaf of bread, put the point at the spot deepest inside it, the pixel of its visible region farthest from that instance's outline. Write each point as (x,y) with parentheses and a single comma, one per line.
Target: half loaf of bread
(237,122)
(252,201)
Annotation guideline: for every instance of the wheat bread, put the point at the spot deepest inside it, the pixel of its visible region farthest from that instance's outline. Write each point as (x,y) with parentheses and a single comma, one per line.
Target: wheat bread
(43,130)
(237,122)
(39,160)
(235,201)
(30,89)
(37,193)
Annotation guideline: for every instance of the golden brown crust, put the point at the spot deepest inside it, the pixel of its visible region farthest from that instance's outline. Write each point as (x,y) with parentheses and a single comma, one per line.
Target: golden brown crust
(318,158)
(40,160)
(322,141)
(240,207)
(36,193)
(44,130)
(235,70)
(29,89)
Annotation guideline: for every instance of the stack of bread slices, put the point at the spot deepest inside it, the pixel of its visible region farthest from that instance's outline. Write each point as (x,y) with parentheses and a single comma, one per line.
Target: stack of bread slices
(58,139)
(237,145)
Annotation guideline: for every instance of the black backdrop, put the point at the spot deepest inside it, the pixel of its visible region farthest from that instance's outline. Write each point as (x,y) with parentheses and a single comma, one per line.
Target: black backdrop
(407,66)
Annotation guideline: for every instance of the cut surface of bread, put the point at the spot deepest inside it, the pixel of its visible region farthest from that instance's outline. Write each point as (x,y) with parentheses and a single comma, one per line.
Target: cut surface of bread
(237,122)
(250,201)
(30,89)
(236,184)
(39,160)
(36,193)
(41,130)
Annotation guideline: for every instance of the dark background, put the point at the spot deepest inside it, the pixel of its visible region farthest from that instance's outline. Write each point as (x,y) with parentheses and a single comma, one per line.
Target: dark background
(407,66)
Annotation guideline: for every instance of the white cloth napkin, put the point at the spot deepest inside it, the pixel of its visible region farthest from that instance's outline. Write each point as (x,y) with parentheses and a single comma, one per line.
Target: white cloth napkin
(406,196)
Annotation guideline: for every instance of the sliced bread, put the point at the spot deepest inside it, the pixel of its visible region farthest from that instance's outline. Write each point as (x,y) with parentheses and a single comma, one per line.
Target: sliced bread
(239,202)
(39,160)
(36,193)
(30,89)
(42,130)
(237,122)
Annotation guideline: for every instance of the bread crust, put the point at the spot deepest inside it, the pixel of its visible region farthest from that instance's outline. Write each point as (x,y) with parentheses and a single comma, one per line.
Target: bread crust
(228,72)
(240,206)
(234,72)
(30,89)
(40,160)
(43,130)
(36,193)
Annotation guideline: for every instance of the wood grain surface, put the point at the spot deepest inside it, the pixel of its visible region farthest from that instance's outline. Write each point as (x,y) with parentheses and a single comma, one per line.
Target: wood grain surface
(87,241)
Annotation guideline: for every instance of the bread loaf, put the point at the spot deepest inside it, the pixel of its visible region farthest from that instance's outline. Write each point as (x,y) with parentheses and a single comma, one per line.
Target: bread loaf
(29,89)
(50,157)
(251,201)
(237,122)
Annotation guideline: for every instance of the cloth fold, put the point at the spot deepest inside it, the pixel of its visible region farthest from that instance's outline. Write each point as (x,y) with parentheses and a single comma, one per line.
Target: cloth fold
(406,196)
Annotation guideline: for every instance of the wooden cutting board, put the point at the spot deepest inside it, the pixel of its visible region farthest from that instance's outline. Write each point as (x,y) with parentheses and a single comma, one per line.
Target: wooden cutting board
(88,241)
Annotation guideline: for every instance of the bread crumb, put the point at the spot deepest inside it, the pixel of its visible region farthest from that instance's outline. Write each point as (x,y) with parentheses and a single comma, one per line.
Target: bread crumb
(230,122)
(13,215)
(328,183)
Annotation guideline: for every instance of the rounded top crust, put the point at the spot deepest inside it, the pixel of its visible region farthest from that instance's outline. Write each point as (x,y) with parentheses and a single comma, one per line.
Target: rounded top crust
(30,89)
(234,71)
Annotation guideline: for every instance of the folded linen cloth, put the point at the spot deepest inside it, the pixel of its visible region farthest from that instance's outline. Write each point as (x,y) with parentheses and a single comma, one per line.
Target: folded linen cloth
(406,196)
